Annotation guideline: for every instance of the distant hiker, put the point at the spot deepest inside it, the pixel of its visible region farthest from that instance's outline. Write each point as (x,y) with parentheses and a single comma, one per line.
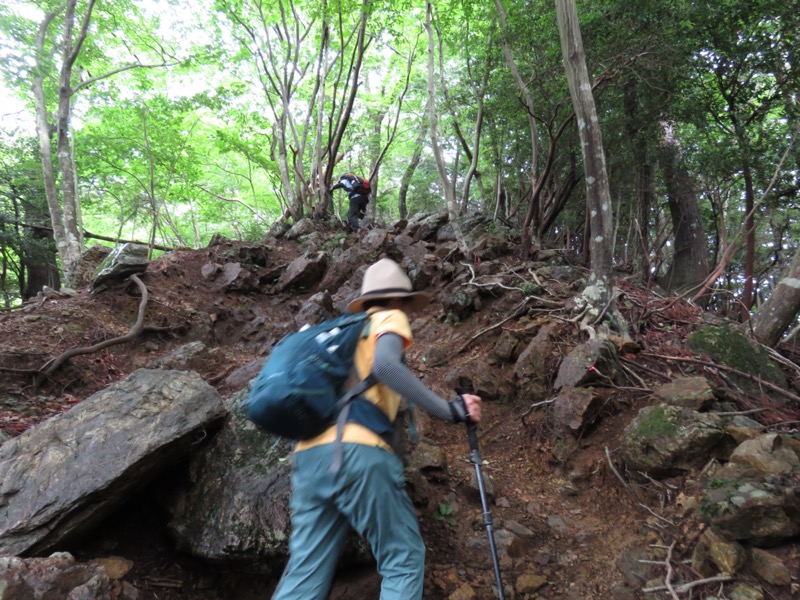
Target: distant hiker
(358,190)
(368,490)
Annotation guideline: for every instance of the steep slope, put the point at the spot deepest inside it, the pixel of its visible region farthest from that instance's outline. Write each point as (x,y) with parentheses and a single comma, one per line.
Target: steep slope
(583,529)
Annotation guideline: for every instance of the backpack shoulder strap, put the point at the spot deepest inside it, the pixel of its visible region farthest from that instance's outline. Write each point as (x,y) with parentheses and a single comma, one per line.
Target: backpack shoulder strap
(343,404)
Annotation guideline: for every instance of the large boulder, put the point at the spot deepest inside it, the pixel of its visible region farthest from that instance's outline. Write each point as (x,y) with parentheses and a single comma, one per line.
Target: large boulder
(234,508)
(754,497)
(304,272)
(122,262)
(428,227)
(67,474)
(588,362)
(668,440)
(688,392)
(83,270)
(235,505)
(730,347)
(576,410)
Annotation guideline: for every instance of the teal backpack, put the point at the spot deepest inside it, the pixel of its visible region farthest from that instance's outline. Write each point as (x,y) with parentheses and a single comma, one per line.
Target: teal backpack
(300,393)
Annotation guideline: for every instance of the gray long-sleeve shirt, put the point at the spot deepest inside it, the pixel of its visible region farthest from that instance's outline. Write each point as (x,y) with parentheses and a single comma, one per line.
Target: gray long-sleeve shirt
(389,369)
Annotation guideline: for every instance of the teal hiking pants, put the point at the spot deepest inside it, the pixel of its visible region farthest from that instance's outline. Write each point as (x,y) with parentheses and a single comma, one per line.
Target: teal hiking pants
(368,493)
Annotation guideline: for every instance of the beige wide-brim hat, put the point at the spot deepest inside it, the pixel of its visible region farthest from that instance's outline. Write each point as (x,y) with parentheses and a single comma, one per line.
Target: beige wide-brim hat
(385,279)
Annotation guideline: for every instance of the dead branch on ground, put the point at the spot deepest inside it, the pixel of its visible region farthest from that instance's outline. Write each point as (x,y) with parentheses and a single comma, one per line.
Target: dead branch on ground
(705,363)
(685,587)
(667,562)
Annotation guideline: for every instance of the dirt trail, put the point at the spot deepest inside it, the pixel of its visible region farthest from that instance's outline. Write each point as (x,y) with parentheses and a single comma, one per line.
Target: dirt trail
(578,517)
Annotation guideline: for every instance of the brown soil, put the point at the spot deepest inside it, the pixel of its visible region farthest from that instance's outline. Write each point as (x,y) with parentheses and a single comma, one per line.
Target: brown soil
(580,515)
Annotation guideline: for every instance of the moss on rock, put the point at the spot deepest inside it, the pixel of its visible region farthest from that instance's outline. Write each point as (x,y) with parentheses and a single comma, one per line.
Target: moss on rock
(731,348)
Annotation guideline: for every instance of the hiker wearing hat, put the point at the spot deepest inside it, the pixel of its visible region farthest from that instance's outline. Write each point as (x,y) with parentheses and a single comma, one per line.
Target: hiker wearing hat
(368,490)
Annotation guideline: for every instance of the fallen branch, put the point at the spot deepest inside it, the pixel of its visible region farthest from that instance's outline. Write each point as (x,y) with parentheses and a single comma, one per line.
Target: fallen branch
(52,365)
(737,413)
(90,235)
(645,368)
(614,469)
(534,405)
(18,371)
(685,587)
(668,563)
(656,515)
(705,363)
(778,357)
(633,375)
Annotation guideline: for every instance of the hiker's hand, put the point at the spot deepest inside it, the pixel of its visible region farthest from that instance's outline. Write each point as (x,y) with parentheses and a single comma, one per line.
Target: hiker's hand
(466,407)
(473,404)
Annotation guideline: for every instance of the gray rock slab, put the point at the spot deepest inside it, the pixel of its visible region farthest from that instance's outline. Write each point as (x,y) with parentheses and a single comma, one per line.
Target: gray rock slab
(68,473)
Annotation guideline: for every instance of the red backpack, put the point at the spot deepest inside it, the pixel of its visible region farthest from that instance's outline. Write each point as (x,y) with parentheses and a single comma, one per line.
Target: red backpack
(360,185)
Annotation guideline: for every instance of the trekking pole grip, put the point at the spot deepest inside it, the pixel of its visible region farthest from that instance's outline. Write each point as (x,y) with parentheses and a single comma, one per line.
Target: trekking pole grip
(472,427)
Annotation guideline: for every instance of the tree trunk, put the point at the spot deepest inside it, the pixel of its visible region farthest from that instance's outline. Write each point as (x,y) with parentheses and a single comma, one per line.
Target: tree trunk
(354,74)
(449,186)
(43,131)
(64,214)
(748,293)
(39,263)
(405,182)
(375,118)
(781,309)
(642,178)
(598,290)
(38,254)
(689,267)
(531,230)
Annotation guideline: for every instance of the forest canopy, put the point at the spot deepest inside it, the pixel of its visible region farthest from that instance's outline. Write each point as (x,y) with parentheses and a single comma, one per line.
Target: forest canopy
(167,122)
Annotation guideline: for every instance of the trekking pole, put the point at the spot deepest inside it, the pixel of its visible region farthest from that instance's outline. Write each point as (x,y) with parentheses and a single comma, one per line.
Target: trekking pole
(475,459)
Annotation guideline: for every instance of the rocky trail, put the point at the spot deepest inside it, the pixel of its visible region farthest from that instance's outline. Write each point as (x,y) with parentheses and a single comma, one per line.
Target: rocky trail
(571,519)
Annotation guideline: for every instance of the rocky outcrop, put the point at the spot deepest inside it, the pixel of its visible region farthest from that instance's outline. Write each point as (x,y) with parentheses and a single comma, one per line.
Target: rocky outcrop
(754,498)
(730,347)
(667,440)
(304,272)
(123,261)
(234,505)
(61,576)
(687,392)
(67,474)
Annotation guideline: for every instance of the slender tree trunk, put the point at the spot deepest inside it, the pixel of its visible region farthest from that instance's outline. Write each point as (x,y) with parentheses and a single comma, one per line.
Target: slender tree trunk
(44,132)
(324,201)
(472,171)
(531,230)
(781,309)
(65,214)
(354,74)
(642,179)
(598,291)
(416,156)
(374,144)
(151,183)
(449,186)
(748,293)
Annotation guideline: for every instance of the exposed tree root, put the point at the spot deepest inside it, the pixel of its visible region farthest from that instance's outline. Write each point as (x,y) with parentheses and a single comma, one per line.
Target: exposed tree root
(51,366)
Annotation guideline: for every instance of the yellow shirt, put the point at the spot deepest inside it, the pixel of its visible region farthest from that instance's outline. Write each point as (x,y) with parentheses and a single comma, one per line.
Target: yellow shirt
(380,322)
